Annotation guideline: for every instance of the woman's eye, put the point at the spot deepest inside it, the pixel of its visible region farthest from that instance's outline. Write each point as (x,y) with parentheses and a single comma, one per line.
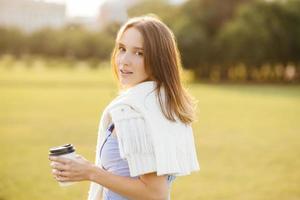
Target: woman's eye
(122,49)
(139,53)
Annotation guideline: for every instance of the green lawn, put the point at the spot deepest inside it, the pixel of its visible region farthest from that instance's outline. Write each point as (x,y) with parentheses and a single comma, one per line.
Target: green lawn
(247,136)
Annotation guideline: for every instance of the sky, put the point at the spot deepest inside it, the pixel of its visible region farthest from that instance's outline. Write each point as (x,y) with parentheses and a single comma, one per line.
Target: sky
(84,8)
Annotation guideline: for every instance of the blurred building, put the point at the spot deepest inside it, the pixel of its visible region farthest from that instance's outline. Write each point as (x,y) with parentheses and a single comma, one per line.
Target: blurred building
(114,11)
(30,15)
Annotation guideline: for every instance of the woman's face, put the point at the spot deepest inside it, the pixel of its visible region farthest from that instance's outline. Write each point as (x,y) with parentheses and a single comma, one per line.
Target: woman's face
(130,58)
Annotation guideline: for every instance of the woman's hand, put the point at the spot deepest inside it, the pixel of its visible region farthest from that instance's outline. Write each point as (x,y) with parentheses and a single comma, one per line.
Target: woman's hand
(65,169)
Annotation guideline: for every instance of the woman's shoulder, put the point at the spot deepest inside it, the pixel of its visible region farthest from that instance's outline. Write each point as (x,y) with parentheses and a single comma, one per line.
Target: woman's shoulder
(122,112)
(137,94)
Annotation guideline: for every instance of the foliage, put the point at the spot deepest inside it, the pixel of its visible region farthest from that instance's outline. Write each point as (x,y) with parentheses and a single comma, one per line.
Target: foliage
(218,40)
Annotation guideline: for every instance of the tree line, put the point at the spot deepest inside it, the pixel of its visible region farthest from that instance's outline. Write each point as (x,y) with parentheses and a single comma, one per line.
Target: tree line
(240,40)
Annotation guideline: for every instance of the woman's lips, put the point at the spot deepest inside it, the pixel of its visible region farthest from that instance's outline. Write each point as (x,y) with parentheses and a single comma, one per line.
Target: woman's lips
(125,72)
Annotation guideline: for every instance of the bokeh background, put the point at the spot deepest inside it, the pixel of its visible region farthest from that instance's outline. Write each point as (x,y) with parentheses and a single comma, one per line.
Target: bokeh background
(241,61)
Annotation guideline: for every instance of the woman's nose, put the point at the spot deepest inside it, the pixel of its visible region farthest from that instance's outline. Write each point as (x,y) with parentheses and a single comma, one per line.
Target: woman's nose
(125,59)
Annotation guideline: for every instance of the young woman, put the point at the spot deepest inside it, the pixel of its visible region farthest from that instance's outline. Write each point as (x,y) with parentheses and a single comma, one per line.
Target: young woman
(145,137)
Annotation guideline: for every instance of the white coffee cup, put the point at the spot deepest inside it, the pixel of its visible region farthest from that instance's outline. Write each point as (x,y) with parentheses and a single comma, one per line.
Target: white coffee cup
(65,151)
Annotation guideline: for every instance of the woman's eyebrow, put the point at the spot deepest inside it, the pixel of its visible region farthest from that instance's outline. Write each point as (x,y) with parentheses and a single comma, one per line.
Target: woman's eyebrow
(121,44)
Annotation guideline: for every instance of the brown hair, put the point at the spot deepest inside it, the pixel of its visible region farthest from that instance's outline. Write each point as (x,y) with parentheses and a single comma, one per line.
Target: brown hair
(162,64)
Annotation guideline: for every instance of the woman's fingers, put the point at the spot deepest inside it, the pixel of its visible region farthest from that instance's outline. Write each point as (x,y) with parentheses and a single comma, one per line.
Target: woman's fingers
(62,178)
(59,166)
(59,173)
(64,169)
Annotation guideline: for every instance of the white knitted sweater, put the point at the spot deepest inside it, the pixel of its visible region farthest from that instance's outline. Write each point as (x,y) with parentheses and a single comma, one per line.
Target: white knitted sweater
(147,140)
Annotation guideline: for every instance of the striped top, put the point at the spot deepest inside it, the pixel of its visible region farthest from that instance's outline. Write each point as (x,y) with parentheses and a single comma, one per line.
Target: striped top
(112,162)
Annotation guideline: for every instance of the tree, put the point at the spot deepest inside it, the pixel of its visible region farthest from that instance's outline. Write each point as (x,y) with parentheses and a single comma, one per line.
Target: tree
(202,22)
(262,33)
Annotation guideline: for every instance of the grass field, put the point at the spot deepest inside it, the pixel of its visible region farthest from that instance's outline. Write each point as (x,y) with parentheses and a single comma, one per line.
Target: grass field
(247,136)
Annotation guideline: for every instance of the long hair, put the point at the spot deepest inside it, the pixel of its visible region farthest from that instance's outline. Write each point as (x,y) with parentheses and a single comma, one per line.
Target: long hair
(162,64)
